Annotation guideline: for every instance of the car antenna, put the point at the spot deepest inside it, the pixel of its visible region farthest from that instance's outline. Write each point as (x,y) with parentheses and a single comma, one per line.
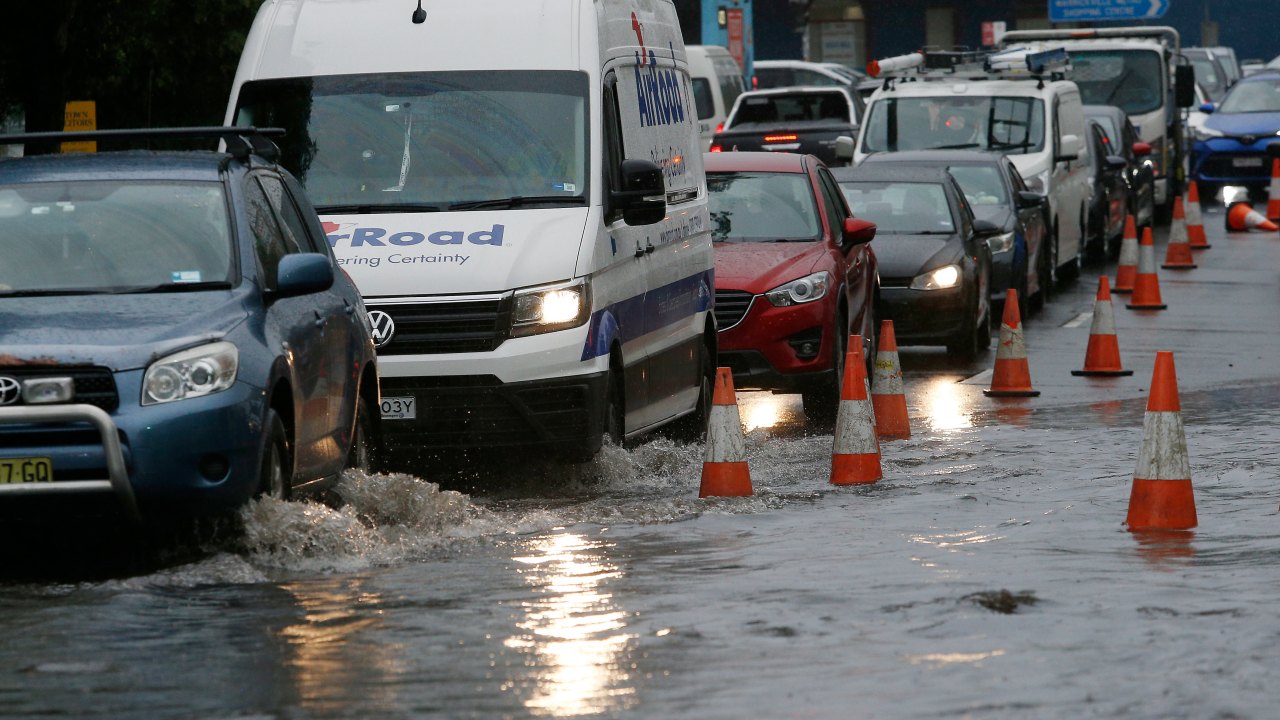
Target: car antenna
(419,15)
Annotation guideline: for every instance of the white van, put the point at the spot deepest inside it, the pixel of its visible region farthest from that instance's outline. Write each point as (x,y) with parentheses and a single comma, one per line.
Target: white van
(1038,121)
(517,189)
(717,83)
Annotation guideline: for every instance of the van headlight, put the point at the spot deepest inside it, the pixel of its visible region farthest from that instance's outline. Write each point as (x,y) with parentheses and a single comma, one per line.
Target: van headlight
(797,292)
(192,373)
(1002,242)
(550,308)
(940,279)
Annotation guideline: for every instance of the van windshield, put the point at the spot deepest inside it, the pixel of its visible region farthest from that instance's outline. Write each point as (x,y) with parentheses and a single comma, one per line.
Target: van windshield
(429,141)
(1128,79)
(1013,125)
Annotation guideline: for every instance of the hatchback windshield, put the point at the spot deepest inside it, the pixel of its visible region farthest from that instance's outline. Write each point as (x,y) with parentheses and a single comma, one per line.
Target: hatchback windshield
(104,236)
(1253,96)
(1012,125)
(1128,79)
(900,207)
(761,207)
(422,141)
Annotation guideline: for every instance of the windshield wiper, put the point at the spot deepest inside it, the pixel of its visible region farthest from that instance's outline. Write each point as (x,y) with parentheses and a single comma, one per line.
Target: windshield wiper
(62,291)
(370,208)
(174,287)
(519,201)
(961,146)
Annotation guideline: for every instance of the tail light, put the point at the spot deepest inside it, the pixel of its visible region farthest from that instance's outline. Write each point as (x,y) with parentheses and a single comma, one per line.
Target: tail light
(716,148)
(781,138)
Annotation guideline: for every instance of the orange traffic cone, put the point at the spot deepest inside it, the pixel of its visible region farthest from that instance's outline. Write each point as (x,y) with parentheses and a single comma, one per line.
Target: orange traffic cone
(1161,498)
(1146,287)
(1127,270)
(1012,376)
(1195,220)
(888,397)
(724,467)
(1273,192)
(1178,254)
(855,453)
(1241,217)
(1102,357)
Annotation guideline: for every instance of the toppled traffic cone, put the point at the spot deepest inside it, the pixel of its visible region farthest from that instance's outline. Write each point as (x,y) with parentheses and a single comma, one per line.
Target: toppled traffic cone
(1127,269)
(1273,192)
(1146,286)
(1241,217)
(1102,357)
(888,397)
(1012,376)
(1161,498)
(724,467)
(1178,254)
(1195,219)
(855,452)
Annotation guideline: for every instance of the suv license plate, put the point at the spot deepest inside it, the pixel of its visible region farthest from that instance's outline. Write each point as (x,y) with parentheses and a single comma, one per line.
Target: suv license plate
(1246,162)
(25,470)
(399,408)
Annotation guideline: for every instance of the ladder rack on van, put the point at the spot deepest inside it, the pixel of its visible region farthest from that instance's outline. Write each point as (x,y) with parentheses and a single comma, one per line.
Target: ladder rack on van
(1017,63)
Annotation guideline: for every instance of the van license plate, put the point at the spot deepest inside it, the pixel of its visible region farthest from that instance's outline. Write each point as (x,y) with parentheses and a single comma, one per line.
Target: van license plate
(25,470)
(399,408)
(1246,162)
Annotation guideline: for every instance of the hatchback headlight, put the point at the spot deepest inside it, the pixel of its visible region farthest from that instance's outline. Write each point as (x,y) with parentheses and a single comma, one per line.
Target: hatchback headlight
(547,309)
(191,373)
(940,279)
(797,292)
(1001,243)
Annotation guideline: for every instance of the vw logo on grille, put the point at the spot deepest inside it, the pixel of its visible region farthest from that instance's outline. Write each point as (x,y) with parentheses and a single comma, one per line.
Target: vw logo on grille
(383,328)
(10,390)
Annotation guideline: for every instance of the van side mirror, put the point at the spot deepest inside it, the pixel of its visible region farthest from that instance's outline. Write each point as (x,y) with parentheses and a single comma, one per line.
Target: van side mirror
(1141,149)
(844,148)
(1069,148)
(303,274)
(858,231)
(1184,86)
(642,199)
(1028,199)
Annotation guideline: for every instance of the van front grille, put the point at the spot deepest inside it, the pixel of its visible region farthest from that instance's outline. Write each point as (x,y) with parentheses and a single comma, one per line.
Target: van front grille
(447,327)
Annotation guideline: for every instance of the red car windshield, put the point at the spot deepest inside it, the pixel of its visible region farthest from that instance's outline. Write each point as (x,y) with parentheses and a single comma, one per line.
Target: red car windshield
(762,207)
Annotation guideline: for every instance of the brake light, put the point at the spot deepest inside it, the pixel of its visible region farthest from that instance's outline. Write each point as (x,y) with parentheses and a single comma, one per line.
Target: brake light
(781,138)
(716,148)
(755,82)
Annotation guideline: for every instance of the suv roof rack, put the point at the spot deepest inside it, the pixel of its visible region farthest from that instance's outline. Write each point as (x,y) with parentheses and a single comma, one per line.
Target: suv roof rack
(1012,64)
(241,141)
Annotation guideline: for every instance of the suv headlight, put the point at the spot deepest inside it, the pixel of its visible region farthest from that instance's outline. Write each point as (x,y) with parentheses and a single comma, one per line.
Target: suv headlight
(550,308)
(191,373)
(1002,242)
(940,279)
(797,292)
(1205,133)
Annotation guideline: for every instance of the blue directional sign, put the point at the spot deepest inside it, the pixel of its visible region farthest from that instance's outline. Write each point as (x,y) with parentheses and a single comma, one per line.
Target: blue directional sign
(1106,10)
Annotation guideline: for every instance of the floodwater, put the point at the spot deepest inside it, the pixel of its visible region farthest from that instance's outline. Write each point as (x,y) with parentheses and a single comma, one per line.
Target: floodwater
(988,575)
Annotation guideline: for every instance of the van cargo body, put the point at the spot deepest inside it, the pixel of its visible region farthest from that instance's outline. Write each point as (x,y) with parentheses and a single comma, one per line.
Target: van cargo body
(473,173)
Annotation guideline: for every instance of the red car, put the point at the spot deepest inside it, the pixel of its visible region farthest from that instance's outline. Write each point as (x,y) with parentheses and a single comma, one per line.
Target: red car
(795,275)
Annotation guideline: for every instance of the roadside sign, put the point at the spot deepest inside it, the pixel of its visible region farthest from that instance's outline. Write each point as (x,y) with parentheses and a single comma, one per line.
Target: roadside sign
(737,47)
(1106,10)
(993,32)
(80,115)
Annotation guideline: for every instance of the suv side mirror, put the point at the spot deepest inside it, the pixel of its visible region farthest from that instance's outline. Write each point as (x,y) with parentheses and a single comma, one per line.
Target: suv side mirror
(858,231)
(1028,199)
(1208,108)
(1184,85)
(643,196)
(303,274)
(1141,149)
(1069,148)
(844,148)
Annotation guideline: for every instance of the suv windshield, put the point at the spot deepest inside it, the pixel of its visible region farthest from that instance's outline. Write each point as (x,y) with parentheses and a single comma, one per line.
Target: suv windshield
(421,141)
(1128,79)
(761,207)
(112,236)
(1253,96)
(1013,125)
(904,208)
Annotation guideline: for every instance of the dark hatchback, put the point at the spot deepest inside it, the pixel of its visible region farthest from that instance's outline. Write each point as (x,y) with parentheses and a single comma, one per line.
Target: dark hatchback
(998,195)
(175,335)
(1121,140)
(935,264)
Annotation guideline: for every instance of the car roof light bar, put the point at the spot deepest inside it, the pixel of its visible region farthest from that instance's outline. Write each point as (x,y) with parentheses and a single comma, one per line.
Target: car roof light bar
(1011,64)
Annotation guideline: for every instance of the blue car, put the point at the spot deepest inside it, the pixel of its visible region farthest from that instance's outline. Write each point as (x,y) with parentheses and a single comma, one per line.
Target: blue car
(1230,149)
(175,335)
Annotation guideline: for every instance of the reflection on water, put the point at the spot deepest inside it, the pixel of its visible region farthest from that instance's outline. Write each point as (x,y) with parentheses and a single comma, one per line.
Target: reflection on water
(944,404)
(574,635)
(1163,548)
(761,410)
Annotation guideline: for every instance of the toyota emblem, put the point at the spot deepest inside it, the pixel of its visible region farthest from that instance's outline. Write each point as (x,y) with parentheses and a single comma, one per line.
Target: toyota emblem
(383,328)
(10,390)
(1248,139)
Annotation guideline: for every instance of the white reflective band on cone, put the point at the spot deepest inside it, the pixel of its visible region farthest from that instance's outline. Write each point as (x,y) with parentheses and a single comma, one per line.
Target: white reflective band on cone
(887,374)
(1163,430)
(856,429)
(724,435)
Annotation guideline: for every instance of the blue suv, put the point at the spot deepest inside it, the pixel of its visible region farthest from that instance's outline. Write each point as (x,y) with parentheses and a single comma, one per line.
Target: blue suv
(175,335)
(1230,148)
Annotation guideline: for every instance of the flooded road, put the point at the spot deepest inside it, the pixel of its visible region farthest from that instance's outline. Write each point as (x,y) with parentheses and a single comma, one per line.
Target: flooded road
(987,575)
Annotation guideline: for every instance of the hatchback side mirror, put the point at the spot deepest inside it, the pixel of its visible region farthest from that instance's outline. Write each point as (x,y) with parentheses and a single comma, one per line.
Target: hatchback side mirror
(643,195)
(1028,199)
(984,228)
(858,231)
(1141,149)
(303,274)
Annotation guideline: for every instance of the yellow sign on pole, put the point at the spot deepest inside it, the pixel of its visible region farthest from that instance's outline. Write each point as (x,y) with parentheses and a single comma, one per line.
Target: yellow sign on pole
(80,115)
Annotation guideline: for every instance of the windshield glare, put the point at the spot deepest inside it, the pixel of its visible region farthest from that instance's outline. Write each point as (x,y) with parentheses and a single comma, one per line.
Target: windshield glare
(1013,125)
(761,207)
(436,139)
(105,236)
(1252,96)
(900,207)
(1128,79)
